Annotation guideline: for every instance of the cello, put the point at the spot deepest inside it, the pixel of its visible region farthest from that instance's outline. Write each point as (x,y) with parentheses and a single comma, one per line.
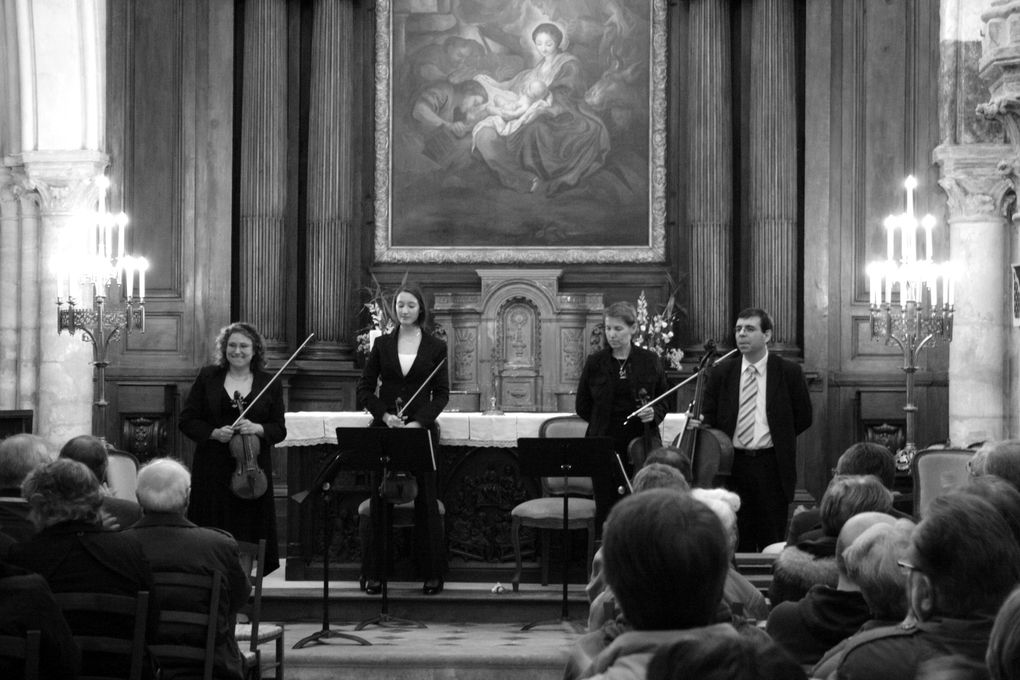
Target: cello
(639,447)
(709,450)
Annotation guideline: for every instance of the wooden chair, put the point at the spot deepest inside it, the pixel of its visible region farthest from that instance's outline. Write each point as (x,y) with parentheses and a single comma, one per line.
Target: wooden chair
(96,645)
(23,649)
(122,474)
(935,472)
(178,627)
(547,512)
(255,632)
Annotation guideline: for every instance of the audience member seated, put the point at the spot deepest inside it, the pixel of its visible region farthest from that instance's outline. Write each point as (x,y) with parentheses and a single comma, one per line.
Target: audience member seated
(116,513)
(862,458)
(19,455)
(1001,494)
(963,564)
(740,596)
(602,603)
(674,457)
(26,603)
(873,564)
(1002,459)
(954,667)
(811,626)
(723,657)
(812,561)
(172,543)
(1004,643)
(74,553)
(665,557)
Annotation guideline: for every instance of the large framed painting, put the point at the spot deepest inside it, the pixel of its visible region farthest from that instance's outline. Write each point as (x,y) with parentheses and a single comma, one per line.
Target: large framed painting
(517,131)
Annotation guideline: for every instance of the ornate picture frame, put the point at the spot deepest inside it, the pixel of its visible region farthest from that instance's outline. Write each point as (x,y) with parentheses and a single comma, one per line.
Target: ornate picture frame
(520,131)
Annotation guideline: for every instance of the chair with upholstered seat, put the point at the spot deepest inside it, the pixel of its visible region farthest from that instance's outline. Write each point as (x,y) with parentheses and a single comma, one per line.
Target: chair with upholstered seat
(122,474)
(257,632)
(936,472)
(547,512)
(23,650)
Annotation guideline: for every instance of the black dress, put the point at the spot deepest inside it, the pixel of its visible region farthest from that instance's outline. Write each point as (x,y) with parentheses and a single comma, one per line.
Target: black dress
(213,504)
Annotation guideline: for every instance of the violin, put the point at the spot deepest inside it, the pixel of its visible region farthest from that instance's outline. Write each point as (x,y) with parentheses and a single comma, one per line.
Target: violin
(639,447)
(248,480)
(709,450)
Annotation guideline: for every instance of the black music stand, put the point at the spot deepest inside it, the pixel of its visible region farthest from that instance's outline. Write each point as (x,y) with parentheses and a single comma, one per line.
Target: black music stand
(323,484)
(380,450)
(565,457)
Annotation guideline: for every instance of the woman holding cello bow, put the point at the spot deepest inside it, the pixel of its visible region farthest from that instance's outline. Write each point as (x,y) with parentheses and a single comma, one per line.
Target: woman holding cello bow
(210,418)
(408,367)
(613,382)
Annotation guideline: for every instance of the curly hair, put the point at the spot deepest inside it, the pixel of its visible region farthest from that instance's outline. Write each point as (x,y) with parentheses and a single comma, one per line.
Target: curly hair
(258,345)
(61,491)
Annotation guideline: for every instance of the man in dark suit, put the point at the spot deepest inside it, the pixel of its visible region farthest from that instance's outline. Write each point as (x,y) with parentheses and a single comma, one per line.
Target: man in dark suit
(172,543)
(762,402)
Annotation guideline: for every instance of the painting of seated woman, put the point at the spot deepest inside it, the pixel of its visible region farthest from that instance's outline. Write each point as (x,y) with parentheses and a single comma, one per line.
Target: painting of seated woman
(521,132)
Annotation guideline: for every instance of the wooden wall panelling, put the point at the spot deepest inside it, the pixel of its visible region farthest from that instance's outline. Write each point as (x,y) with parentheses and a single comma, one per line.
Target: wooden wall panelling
(170,135)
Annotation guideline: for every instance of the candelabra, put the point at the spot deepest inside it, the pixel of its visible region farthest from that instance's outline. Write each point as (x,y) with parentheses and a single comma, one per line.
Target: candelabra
(918,318)
(89,273)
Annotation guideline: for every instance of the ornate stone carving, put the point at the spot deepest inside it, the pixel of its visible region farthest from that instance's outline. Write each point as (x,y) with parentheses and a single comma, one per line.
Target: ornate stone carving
(572,353)
(980,180)
(1005,110)
(62,182)
(465,354)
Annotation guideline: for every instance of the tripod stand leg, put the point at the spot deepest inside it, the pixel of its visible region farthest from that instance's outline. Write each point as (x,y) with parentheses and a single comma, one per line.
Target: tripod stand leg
(326,633)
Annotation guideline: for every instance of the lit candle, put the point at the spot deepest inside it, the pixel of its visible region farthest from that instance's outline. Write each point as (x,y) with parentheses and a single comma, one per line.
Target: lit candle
(122,222)
(143,265)
(907,234)
(129,275)
(888,285)
(952,288)
(946,276)
(910,184)
(874,284)
(890,228)
(928,222)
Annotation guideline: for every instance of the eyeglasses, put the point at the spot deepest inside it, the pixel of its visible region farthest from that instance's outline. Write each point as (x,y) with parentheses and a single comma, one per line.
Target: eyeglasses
(906,567)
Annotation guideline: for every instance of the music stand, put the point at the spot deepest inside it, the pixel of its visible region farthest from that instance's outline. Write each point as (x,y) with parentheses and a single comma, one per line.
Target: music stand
(380,450)
(323,484)
(565,457)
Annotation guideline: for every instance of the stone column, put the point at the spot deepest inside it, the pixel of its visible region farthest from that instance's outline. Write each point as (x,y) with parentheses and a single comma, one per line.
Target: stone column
(262,280)
(978,190)
(55,373)
(710,176)
(330,260)
(770,246)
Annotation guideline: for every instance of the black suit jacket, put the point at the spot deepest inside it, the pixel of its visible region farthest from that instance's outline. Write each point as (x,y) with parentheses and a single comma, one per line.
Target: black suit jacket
(787,408)
(26,603)
(383,369)
(172,543)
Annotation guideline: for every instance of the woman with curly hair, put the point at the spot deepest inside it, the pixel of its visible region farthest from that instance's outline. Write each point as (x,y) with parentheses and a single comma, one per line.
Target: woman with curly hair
(237,375)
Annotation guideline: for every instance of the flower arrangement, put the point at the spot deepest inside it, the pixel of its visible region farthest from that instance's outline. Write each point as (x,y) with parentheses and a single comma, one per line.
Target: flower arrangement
(655,332)
(380,312)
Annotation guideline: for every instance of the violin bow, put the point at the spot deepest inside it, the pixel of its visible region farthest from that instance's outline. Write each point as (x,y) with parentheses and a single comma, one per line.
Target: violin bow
(277,375)
(673,389)
(400,413)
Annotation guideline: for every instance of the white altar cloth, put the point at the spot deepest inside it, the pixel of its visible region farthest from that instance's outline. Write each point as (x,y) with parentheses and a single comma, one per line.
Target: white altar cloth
(311,428)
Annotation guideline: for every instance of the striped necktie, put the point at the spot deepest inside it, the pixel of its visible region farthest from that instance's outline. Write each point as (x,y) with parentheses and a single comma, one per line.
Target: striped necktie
(748,403)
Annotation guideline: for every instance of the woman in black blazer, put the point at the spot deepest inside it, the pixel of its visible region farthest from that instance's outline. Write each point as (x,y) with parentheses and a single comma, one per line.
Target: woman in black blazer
(399,363)
(206,419)
(613,382)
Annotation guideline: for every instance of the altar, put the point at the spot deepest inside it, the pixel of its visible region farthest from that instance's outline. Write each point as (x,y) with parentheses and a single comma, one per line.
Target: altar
(478,480)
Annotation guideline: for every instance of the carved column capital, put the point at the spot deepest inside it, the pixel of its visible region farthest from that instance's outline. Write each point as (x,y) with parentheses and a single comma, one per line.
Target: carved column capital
(1000,66)
(980,180)
(61,180)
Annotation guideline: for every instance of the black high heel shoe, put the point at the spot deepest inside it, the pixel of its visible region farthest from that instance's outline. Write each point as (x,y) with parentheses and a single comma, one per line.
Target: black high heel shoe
(433,586)
(373,586)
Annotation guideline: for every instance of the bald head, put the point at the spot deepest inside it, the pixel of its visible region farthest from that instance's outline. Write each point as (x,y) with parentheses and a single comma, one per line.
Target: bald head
(164,485)
(854,527)
(1002,459)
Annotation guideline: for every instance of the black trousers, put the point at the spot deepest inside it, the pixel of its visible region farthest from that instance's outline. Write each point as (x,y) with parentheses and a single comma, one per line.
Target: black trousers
(429,536)
(761,520)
